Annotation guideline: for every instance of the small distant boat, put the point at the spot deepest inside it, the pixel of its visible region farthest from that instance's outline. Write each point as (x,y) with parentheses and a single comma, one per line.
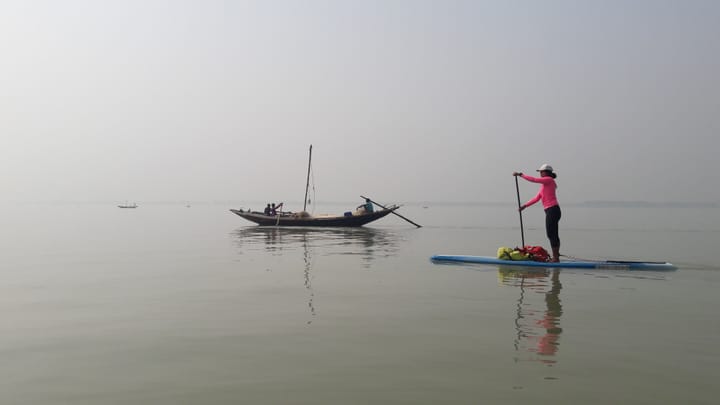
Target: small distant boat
(348,219)
(126,205)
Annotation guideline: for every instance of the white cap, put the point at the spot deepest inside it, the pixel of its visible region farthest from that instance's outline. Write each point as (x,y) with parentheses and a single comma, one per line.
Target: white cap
(545,168)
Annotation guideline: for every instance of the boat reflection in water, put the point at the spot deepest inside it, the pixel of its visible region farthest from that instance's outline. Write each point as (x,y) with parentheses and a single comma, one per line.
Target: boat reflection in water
(538,312)
(369,243)
(310,242)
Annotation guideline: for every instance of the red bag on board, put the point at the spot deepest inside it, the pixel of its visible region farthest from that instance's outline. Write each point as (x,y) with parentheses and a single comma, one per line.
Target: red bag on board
(536,253)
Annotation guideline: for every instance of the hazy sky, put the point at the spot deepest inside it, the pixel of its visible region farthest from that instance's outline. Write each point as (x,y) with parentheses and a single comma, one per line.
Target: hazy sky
(403,100)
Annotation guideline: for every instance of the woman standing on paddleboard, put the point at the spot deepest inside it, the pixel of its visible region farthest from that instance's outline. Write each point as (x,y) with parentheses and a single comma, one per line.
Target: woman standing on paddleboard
(550,203)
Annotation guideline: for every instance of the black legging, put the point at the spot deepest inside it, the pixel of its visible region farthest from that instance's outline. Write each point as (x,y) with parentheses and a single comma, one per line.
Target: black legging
(552,217)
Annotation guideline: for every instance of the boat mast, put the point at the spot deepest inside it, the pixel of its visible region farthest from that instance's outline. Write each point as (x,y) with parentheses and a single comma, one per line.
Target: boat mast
(307,184)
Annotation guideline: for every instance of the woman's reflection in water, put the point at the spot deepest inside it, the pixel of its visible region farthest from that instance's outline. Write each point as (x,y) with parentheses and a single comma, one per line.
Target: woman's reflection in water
(537,324)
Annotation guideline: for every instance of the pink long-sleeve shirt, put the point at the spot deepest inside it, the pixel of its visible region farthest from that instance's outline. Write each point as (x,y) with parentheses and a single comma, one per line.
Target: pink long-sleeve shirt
(546,193)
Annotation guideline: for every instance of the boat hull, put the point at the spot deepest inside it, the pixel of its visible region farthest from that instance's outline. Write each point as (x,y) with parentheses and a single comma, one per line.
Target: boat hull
(324,221)
(606,264)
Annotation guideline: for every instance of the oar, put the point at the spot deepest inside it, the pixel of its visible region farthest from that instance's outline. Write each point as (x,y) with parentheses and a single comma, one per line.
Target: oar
(522,233)
(279,213)
(384,207)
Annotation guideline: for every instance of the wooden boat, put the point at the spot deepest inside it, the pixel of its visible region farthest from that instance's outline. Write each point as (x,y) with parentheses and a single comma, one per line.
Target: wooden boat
(303,218)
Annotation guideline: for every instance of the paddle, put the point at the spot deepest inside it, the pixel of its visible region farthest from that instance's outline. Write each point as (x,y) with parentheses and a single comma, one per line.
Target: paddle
(522,233)
(384,207)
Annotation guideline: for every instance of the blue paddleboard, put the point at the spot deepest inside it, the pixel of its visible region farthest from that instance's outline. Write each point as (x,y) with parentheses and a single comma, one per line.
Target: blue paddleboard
(568,264)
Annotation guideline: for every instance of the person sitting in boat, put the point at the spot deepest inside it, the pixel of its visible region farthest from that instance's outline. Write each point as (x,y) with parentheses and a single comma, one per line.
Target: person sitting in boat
(366,208)
(274,208)
(267,209)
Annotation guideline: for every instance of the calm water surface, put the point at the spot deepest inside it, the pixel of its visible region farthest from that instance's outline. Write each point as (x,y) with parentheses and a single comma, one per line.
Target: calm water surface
(167,304)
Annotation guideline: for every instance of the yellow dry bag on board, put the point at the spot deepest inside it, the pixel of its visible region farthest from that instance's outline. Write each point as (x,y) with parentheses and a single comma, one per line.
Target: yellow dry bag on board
(506,253)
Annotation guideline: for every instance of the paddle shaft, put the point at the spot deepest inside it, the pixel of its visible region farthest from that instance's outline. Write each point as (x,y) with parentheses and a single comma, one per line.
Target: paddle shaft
(384,207)
(522,232)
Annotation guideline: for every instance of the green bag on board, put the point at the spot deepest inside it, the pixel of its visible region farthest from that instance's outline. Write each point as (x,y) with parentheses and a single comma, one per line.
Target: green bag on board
(506,253)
